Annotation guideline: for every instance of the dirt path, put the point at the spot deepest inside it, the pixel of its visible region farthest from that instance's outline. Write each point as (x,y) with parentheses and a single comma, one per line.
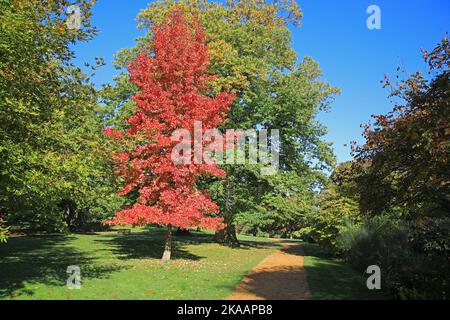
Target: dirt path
(280,276)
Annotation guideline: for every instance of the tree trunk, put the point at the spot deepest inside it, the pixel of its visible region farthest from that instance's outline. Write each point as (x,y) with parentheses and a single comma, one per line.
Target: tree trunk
(70,214)
(227,235)
(168,246)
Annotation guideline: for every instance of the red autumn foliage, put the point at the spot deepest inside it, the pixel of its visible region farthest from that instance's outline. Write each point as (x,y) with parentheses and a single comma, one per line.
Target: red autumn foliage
(172,82)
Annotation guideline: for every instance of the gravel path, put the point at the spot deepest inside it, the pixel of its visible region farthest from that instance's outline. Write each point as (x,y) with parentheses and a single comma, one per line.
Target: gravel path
(280,276)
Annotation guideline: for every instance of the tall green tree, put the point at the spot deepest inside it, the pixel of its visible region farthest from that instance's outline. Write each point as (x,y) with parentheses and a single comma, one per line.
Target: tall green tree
(51,170)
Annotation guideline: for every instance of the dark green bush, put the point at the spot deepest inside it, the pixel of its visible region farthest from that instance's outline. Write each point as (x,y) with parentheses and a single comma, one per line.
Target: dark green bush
(413,257)
(373,242)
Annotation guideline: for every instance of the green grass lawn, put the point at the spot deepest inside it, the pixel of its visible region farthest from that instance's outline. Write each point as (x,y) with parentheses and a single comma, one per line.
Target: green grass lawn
(118,266)
(331,278)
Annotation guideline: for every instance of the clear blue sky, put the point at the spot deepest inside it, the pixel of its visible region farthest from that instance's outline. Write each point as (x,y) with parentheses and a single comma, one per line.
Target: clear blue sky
(334,33)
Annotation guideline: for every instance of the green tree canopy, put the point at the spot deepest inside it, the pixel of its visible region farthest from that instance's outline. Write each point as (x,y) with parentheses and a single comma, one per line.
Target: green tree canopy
(407,151)
(51,169)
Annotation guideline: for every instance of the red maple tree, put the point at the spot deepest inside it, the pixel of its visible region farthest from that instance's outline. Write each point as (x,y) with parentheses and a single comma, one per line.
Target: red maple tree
(172,80)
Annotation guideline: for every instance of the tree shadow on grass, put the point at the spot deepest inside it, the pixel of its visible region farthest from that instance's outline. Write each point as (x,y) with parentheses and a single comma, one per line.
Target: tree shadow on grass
(150,245)
(43,260)
(251,244)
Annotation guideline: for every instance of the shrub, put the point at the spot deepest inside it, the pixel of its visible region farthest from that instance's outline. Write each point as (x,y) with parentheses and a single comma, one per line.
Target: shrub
(410,268)
(375,241)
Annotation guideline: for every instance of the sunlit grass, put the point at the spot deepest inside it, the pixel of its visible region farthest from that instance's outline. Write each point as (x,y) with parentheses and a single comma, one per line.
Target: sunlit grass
(118,266)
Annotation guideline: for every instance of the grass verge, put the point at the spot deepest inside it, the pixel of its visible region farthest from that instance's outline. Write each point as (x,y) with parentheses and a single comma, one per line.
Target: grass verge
(331,278)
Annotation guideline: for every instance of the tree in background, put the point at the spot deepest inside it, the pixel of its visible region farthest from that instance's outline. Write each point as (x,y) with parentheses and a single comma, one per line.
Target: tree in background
(337,208)
(343,178)
(335,214)
(52,173)
(249,46)
(282,211)
(172,85)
